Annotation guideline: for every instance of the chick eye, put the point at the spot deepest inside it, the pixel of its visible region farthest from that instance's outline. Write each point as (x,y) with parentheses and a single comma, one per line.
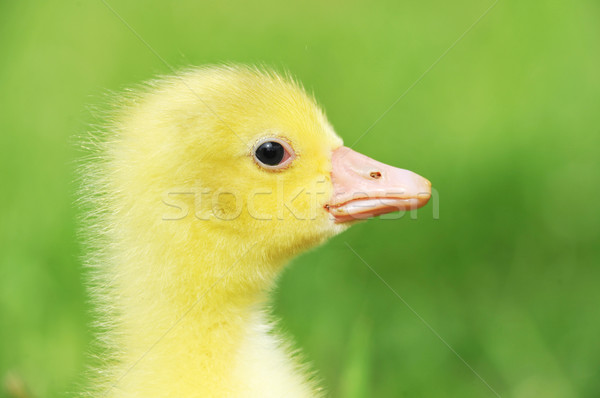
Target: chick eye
(270,153)
(273,154)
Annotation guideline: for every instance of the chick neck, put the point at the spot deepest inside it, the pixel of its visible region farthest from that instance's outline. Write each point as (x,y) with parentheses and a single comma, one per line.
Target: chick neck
(186,311)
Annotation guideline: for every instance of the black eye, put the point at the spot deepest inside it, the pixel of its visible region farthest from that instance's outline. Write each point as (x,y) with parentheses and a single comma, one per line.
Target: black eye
(270,153)
(273,153)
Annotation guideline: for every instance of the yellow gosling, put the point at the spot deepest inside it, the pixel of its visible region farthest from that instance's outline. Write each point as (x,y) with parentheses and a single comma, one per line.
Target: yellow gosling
(204,186)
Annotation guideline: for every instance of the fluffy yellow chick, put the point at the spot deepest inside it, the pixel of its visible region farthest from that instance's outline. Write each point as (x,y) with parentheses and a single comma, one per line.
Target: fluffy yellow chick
(205,185)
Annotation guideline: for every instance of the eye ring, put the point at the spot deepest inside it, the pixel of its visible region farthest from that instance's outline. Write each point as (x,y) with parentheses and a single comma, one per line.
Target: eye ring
(273,153)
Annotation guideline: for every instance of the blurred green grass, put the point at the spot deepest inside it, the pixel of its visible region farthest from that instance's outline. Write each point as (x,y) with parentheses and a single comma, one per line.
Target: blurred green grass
(506,126)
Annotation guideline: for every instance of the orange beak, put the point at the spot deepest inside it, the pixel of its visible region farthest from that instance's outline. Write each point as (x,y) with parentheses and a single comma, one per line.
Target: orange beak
(365,188)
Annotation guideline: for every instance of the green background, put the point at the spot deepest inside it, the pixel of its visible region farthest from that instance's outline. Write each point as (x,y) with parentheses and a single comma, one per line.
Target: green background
(506,125)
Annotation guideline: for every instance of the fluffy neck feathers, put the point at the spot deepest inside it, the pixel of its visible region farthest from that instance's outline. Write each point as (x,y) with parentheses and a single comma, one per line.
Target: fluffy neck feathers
(181,332)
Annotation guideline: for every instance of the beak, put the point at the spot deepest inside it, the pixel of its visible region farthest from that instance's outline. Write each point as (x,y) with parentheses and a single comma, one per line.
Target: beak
(364,188)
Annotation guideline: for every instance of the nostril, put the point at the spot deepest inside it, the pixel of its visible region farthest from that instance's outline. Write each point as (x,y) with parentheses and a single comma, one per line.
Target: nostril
(375,175)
